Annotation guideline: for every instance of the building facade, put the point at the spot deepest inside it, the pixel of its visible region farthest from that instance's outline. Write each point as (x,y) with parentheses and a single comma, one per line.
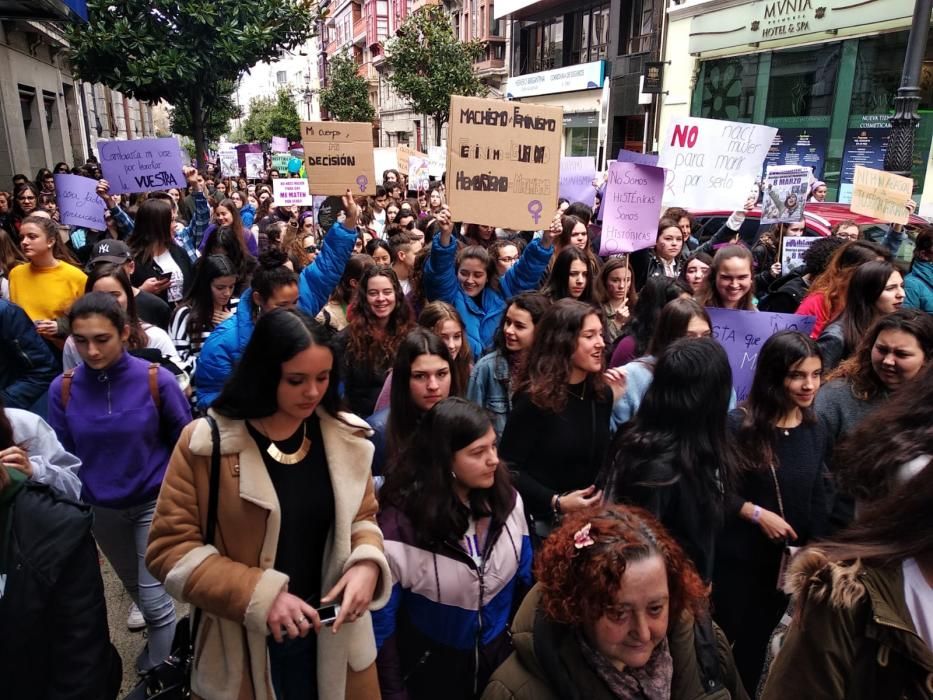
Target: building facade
(824,73)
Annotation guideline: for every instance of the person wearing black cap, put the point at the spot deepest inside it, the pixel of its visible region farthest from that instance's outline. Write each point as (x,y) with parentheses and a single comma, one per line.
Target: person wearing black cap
(151,309)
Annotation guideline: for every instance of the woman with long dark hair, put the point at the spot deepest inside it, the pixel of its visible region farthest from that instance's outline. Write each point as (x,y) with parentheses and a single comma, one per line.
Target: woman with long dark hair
(779,499)
(443,319)
(558,431)
(491,381)
(876,289)
(653,297)
(158,257)
(619,296)
(207,305)
(334,313)
(379,321)
(862,623)
(666,258)
(675,458)
(571,277)
(460,556)
(730,283)
(296,524)
(25,201)
(421,377)
(695,271)
(224,241)
(227,215)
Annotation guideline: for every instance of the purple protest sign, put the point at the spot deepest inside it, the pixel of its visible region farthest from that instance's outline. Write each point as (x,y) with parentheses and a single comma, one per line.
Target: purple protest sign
(279,144)
(742,333)
(78,203)
(637,158)
(142,165)
(633,207)
(576,180)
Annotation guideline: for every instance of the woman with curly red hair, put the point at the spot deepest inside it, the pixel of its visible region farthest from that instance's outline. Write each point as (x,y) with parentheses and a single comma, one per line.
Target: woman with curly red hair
(618,612)
(379,319)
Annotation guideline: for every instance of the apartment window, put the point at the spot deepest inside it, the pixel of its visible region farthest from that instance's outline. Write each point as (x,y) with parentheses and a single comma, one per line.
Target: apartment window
(636,30)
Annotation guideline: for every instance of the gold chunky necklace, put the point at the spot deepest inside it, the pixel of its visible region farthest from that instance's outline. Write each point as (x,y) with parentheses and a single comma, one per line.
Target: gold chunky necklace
(290,457)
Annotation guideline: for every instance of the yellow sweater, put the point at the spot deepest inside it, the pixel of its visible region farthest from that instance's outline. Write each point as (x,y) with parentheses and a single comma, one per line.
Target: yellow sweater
(46,293)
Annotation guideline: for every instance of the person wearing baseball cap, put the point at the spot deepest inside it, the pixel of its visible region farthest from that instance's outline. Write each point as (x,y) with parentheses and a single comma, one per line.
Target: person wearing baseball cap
(151,308)
(110,250)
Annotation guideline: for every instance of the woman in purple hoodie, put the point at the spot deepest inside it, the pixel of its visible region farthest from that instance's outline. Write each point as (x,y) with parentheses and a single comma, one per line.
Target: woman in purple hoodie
(121,416)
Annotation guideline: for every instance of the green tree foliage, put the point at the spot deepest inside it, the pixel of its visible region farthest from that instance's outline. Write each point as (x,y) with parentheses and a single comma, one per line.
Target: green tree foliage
(346,96)
(175,50)
(428,64)
(218,112)
(271,116)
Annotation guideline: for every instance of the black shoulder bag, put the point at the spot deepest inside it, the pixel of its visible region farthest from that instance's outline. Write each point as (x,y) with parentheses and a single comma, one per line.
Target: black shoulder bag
(171,679)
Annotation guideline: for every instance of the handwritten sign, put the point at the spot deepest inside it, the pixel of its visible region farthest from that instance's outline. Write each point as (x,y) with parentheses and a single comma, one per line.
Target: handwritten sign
(881,195)
(78,203)
(254,163)
(280,162)
(742,333)
(287,192)
(403,154)
(633,206)
(419,178)
(636,157)
(792,250)
(712,164)
(141,165)
(229,165)
(785,193)
(339,157)
(437,161)
(503,162)
(576,179)
(279,144)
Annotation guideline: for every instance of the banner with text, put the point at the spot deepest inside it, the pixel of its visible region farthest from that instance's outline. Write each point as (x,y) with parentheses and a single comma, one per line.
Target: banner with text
(503,162)
(633,207)
(742,333)
(290,191)
(712,164)
(339,157)
(78,202)
(229,165)
(881,195)
(785,193)
(141,165)
(792,250)
(576,179)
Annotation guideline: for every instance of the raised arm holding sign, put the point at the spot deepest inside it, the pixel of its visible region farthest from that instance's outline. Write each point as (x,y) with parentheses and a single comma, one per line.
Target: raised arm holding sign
(339,157)
(142,165)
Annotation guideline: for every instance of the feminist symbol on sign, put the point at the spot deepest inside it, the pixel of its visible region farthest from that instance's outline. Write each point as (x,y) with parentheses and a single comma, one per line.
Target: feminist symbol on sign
(534,208)
(362,181)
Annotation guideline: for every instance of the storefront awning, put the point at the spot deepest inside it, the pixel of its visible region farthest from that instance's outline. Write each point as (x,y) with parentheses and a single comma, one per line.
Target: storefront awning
(52,10)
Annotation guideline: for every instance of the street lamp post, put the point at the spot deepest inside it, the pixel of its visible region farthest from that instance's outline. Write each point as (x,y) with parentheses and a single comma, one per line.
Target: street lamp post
(900,152)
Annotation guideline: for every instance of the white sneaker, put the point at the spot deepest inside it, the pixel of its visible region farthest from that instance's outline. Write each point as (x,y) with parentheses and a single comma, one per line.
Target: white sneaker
(135,620)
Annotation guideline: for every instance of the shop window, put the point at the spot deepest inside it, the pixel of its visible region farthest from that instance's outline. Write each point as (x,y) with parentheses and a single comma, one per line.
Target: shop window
(878,74)
(803,81)
(582,141)
(727,90)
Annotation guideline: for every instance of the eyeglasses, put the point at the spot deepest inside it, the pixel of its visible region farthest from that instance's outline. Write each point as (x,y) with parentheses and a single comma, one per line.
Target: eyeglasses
(311,249)
(509,260)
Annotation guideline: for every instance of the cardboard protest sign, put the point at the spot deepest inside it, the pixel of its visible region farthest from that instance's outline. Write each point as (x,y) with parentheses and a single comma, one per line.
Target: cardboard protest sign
(881,195)
(742,333)
(633,207)
(503,162)
(339,157)
(785,192)
(279,144)
(792,250)
(437,161)
(419,179)
(229,165)
(712,164)
(576,179)
(141,165)
(384,159)
(290,191)
(78,202)
(254,165)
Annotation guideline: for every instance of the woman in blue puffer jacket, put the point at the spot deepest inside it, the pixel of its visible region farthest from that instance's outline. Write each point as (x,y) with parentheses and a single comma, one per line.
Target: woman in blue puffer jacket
(918,284)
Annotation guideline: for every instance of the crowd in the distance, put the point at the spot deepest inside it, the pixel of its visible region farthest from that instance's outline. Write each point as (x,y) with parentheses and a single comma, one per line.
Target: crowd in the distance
(384,453)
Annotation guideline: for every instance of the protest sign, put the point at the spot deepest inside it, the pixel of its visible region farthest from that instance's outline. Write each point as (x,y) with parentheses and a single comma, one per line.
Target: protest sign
(287,192)
(254,163)
(792,250)
(229,166)
(576,180)
(712,164)
(279,144)
(384,159)
(742,333)
(141,165)
(503,162)
(419,178)
(78,202)
(280,162)
(245,148)
(881,195)
(437,161)
(636,157)
(633,206)
(785,192)
(403,154)
(339,157)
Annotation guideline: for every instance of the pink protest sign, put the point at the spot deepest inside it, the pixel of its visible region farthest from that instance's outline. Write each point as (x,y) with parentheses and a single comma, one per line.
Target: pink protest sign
(633,206)
(279,144)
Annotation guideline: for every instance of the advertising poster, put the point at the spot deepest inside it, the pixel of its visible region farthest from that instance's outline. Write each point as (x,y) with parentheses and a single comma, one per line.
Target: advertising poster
(804,147)
(864,145)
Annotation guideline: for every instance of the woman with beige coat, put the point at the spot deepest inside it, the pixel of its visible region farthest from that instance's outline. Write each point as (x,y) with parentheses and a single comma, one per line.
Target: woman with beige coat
(296,529)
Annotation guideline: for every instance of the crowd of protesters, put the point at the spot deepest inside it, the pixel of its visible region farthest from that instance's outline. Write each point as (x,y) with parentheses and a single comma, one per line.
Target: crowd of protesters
(455,460)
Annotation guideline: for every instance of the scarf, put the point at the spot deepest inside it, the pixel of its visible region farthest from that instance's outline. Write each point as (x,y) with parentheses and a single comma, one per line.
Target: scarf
(650,682)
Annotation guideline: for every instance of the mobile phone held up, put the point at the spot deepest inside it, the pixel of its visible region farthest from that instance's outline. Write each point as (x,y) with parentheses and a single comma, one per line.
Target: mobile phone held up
(328,614)
(164,276)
